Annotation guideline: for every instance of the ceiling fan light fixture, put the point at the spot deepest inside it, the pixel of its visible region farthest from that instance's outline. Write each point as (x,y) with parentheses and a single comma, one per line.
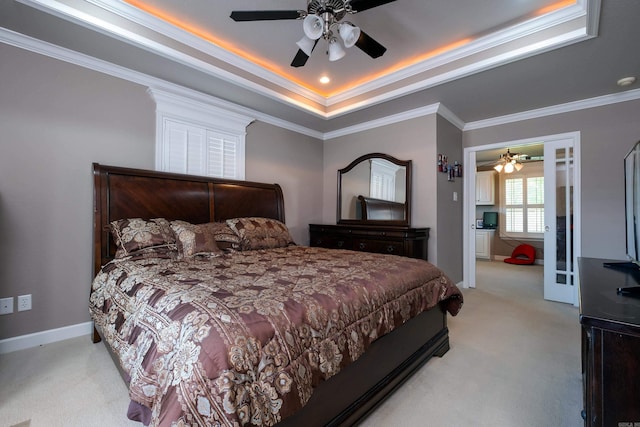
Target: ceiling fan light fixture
(306,45)
(313,26)
(508,168)
(335,50)
(349,34)
(508,163)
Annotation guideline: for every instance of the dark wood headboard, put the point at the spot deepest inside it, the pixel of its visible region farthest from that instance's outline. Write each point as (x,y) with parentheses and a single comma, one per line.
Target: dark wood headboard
(378,209)
(120,193)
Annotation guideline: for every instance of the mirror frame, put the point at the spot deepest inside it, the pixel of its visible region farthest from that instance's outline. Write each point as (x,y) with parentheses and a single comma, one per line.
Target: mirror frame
(407,207)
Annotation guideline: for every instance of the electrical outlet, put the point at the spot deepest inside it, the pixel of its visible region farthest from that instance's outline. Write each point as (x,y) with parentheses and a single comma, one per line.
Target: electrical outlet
(24,302)
(6,305)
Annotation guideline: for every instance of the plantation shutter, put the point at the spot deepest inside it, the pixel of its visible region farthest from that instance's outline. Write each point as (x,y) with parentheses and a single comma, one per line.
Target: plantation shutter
(535,204)
(523,203)
(222,156)
(196,137)
(514,212)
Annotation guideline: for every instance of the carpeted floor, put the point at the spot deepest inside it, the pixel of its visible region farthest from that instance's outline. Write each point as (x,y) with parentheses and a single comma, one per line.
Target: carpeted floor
(514,361)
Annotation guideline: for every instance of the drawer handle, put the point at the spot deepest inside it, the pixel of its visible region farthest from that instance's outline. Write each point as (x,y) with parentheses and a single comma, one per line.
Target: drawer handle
(362,245)
(340,243)
(390,248)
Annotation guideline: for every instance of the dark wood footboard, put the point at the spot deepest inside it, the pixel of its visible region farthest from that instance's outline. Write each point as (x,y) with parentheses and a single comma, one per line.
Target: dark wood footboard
(362,386)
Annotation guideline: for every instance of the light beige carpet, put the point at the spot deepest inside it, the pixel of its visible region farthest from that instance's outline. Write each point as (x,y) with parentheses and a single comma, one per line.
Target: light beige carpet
(514,361)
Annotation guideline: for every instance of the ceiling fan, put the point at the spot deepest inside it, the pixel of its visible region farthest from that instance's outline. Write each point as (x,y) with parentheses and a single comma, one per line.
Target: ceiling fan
(510,162)
(322,19)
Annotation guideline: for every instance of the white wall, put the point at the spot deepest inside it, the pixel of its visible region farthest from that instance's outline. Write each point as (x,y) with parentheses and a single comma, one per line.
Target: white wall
(55,120)
(414,140)
(295,162)
(449,211)
(607,134)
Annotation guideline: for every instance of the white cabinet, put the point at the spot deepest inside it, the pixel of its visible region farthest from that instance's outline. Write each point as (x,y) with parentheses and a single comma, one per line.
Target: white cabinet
(484,243)
(485,188)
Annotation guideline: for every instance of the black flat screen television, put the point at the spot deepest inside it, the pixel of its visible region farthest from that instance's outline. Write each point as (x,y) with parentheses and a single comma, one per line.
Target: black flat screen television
(490,220)
(632,211)
(632,202)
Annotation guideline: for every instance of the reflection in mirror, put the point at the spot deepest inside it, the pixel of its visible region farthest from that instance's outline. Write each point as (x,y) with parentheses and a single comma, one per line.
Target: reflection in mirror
(374,188)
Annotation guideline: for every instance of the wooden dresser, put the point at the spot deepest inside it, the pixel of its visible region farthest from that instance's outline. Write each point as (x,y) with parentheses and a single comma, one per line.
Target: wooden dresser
(610,345)
(403,241)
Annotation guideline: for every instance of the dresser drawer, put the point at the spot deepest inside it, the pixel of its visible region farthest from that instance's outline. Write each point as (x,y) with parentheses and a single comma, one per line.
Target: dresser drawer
(402,241)
(331,241)
(379,246)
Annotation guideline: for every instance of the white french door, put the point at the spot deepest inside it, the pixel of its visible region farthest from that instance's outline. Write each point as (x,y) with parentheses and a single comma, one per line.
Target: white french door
(562,214)
(469,215)
(561,242)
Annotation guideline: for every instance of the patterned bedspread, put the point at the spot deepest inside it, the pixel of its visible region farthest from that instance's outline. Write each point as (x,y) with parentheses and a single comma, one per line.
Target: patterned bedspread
(244,337)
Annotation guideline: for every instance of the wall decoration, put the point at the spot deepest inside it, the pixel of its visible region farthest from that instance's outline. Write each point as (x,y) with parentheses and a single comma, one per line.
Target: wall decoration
(452,170)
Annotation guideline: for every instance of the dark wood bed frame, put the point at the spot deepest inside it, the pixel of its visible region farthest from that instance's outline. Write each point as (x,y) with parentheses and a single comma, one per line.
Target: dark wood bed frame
(344,399)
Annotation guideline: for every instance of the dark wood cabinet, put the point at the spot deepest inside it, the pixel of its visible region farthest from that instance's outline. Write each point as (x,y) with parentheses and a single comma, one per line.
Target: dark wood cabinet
(403,241)
(610,345)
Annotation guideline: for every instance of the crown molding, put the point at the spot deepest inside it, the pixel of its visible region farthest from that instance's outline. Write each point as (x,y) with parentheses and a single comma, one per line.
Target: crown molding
(302,98)
(134,14)
(450,116)
(384,121)
(598,101)
(511,56)
(47,49)
(86,20)
(63,54)
(476,47)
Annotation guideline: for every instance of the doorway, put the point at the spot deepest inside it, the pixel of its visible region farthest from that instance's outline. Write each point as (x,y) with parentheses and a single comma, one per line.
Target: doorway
(561,155)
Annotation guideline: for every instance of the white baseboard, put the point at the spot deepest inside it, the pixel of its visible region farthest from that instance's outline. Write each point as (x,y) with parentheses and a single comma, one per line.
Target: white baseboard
(45,337)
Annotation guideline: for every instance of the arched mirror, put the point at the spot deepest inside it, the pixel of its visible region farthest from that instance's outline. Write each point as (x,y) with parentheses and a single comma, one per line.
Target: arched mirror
(375,189)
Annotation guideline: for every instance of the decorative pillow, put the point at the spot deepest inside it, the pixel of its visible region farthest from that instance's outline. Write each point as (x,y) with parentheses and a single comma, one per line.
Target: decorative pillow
(193,239)
(225,237)
(260,233)
(134,234)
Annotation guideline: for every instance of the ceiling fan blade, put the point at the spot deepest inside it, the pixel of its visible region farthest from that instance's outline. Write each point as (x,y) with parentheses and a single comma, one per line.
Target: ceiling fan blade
(266,15)
(370,46)
(301,58)
(360,5)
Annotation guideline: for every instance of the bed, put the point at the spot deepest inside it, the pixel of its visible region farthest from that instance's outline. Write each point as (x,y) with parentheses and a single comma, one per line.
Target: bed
(205,339)
(369,208)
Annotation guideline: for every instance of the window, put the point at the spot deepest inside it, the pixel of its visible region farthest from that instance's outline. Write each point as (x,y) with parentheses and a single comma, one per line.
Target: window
(523,202)
(383,179)
(197,138)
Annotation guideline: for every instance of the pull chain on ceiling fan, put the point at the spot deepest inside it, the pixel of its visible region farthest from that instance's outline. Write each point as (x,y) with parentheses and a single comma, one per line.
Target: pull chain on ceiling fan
(322,20)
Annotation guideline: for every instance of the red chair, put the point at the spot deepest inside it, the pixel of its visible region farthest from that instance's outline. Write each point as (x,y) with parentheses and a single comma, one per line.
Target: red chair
(522,255)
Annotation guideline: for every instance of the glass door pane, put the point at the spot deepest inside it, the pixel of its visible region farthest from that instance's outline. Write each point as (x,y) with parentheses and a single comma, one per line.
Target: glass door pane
(559,199)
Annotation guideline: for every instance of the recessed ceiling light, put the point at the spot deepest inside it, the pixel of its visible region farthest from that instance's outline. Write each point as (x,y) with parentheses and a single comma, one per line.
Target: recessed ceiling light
(324,80)
(626,81)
